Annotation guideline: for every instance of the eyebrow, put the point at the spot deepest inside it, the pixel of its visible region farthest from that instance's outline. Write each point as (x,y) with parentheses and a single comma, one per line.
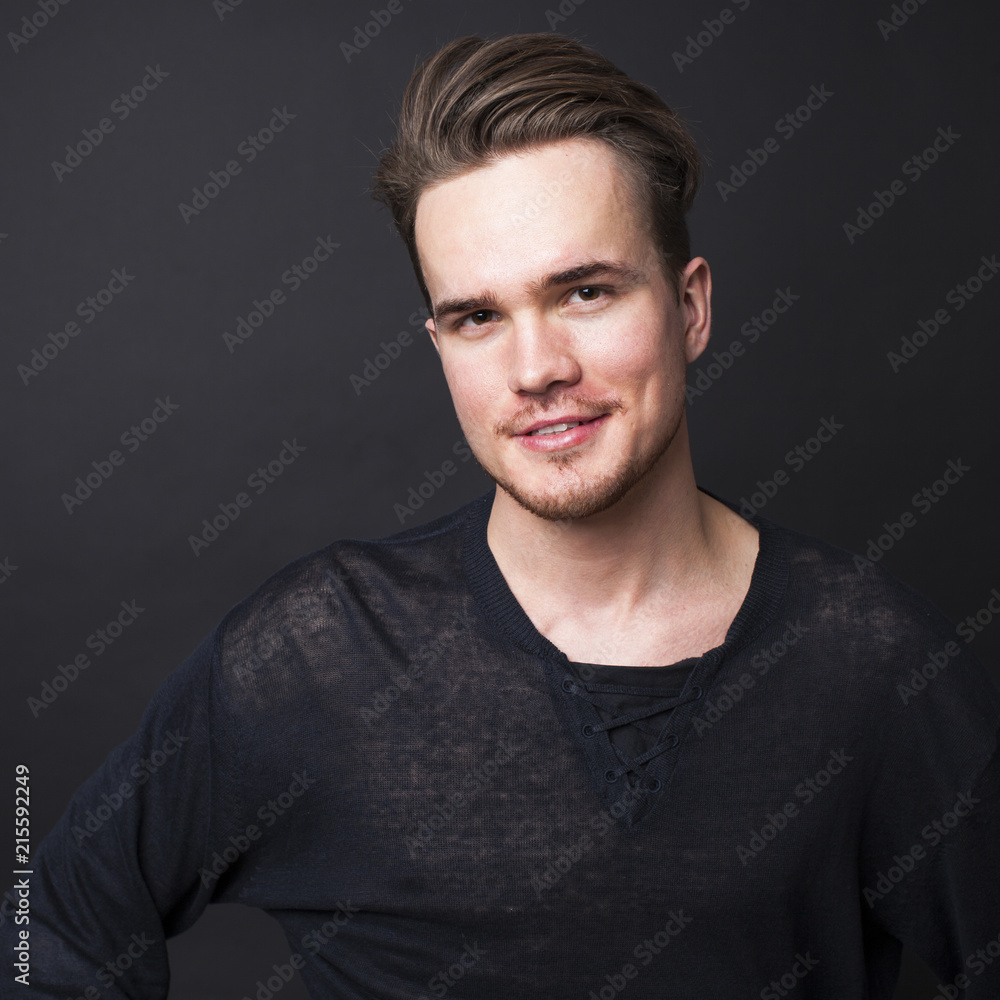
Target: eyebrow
(625,273)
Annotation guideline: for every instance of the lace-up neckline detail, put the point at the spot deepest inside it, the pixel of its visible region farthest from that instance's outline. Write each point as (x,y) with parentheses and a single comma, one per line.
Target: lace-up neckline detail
(656,704)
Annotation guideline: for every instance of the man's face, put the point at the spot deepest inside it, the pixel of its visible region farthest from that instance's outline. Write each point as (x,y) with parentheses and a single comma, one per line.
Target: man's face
(550,307)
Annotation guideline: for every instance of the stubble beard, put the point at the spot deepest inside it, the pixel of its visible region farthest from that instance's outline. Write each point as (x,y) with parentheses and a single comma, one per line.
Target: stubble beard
(578,497)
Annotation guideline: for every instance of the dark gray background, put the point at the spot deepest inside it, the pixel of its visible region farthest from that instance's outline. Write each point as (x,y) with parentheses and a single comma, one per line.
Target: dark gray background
(162,336)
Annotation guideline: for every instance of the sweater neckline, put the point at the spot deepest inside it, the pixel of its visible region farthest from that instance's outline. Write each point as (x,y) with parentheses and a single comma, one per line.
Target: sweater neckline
(764,595)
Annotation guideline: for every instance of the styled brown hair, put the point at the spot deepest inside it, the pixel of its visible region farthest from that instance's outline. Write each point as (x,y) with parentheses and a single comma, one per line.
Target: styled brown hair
(475,101)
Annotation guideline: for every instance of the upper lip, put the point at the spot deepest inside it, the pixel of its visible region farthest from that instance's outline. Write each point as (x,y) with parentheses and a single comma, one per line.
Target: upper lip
(570,419)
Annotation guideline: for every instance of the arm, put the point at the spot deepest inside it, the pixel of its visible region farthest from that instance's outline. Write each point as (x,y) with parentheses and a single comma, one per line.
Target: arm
(930,861)
(119,873)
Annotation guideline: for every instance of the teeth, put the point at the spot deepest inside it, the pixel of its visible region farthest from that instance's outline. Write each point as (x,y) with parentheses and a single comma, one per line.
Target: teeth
(556,428)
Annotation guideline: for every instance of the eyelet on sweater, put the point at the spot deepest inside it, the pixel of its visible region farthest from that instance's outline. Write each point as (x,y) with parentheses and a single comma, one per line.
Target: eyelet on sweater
(588,730)
(610,776)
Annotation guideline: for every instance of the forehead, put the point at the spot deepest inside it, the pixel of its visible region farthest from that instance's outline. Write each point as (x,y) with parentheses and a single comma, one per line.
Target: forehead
(538,211)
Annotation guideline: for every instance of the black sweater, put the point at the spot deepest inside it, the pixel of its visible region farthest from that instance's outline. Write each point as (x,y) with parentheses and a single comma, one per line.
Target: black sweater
(379,749)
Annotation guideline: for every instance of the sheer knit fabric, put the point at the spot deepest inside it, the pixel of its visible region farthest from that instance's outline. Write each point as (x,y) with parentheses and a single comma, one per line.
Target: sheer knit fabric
(379,749)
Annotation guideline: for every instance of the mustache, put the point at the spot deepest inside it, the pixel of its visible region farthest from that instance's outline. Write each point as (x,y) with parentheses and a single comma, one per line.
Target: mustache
(584,406)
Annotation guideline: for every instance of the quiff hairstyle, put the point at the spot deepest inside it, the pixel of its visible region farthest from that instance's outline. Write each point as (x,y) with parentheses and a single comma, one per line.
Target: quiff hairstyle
(475,101)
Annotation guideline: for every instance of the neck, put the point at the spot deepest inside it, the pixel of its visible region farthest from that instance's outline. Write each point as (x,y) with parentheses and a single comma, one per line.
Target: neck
(658,542)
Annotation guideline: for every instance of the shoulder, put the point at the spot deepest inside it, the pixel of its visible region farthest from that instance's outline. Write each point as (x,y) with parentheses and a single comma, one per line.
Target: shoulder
(883,647)
(859,598)
(327,607)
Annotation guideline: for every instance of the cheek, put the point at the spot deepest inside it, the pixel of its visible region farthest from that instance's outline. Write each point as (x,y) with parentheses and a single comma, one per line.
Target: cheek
(639,358)
(474,387)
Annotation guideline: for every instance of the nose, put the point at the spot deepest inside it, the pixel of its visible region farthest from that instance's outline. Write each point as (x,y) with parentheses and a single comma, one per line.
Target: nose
(541,355)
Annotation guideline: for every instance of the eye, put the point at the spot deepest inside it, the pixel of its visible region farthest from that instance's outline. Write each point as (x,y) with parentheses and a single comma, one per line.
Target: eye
(589,293)
(478,318)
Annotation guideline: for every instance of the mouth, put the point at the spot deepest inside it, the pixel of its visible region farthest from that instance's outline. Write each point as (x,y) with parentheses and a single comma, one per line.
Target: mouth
(558,426)
(567,432)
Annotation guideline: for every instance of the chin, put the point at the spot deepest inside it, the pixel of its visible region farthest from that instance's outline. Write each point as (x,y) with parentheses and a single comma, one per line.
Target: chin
(579,496)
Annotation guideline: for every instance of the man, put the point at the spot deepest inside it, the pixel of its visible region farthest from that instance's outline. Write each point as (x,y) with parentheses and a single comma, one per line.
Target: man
(592,733)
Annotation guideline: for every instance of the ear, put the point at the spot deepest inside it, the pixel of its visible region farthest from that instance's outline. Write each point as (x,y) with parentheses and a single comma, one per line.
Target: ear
(432,330)
(694,293)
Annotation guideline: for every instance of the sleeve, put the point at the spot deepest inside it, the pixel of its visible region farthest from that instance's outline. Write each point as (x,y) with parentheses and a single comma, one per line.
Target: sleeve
(930,856)
(123,869)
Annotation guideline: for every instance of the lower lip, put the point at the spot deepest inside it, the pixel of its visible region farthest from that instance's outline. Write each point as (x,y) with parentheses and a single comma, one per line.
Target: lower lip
(564,439)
